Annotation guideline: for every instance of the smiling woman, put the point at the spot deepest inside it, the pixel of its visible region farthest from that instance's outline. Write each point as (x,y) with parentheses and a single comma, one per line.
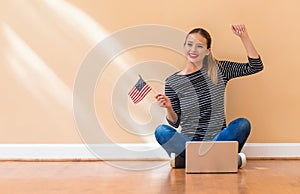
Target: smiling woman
(194,97)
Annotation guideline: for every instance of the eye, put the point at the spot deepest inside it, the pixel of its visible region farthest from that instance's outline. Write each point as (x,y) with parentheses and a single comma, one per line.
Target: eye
(189,44)
(199,46)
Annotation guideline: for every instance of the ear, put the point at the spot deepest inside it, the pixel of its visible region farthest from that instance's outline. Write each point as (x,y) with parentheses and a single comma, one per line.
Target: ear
(208,52)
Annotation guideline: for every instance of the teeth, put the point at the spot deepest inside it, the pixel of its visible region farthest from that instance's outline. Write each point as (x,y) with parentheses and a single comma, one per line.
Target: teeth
(193,55)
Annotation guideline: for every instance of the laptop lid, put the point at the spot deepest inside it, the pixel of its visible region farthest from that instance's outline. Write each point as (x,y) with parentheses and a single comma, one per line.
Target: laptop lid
(211,157)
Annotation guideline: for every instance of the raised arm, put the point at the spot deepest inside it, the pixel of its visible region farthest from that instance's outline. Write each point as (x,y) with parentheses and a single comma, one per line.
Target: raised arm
(241,31)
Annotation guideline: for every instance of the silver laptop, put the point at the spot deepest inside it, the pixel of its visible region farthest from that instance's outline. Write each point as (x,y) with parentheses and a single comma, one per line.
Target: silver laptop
(211,157)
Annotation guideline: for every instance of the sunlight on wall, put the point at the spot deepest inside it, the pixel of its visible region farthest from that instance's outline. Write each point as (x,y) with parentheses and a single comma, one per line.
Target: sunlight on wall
(33,72)
(70,17)
(77,20)
(68,28)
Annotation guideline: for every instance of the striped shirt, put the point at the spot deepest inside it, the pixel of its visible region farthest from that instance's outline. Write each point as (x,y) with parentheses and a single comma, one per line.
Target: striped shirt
(199,103)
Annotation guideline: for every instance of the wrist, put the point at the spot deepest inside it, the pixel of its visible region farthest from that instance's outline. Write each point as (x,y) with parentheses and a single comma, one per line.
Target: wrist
(245,38)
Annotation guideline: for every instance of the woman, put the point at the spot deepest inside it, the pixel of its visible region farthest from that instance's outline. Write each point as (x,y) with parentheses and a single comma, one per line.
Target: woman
(194,96)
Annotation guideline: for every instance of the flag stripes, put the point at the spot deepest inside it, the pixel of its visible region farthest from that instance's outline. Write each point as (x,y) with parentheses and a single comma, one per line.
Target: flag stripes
(139,91)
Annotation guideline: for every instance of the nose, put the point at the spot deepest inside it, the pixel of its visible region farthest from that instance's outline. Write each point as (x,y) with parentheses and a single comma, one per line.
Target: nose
(193,48)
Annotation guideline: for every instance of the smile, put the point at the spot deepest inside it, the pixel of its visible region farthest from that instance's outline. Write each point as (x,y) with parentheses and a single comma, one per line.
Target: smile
(193,56)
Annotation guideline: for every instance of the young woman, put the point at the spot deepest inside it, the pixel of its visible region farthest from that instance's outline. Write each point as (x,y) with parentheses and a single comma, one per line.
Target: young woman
(194,96)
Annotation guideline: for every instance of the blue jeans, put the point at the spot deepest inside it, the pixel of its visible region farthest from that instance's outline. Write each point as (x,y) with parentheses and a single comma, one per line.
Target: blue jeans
(174,142)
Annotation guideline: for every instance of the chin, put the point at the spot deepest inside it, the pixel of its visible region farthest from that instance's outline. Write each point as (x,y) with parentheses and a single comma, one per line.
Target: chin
(194,60)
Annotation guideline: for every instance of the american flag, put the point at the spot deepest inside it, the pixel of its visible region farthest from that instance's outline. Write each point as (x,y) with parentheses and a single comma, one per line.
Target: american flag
(139,91)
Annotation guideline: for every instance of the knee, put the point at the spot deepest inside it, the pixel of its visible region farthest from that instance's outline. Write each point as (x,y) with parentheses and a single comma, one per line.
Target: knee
(159,131)
(162,132)
(244,125)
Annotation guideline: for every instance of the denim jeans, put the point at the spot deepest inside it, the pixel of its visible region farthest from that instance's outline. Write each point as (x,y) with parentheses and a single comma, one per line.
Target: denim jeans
(174,142)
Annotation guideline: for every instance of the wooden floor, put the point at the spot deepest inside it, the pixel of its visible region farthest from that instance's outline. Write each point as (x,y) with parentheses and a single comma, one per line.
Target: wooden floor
(259,176)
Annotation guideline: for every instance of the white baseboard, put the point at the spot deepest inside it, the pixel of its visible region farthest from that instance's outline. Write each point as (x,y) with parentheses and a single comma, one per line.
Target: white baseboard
(82,152)
(128,151)
(272,150)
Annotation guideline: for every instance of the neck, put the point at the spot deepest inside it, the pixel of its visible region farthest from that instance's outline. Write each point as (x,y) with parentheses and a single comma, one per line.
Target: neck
(191,67)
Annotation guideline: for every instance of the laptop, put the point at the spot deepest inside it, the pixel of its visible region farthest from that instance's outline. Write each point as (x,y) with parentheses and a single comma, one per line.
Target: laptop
(211,157)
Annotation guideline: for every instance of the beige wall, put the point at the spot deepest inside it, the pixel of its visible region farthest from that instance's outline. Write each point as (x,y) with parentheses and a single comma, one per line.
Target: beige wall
(43,43)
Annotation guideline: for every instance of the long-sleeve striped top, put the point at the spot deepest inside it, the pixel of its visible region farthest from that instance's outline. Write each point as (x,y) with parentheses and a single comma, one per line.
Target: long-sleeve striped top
(199,103)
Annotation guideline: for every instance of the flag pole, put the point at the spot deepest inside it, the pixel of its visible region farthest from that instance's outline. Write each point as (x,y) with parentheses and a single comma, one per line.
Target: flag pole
(155,92)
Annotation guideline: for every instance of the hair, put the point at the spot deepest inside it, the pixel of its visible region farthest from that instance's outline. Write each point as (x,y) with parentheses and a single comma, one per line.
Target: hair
(209,61)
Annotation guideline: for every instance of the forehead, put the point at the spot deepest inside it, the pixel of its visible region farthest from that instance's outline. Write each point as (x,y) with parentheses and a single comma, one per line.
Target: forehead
(196,37)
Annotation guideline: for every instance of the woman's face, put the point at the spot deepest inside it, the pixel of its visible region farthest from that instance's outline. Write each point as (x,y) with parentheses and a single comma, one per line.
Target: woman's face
(196,48)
